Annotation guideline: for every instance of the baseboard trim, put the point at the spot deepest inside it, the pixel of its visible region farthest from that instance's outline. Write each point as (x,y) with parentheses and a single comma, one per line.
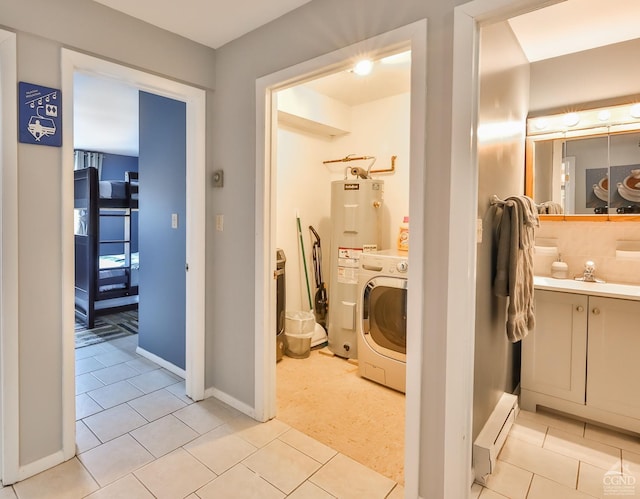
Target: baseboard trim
(229,400)
(39,466)
(172,368)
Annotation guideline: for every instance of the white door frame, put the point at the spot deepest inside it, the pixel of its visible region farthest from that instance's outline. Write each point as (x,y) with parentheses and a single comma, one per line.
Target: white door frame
(414,37)
(9,372)
(195,218)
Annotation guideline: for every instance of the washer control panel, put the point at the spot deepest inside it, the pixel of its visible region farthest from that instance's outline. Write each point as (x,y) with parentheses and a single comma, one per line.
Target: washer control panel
(402,266)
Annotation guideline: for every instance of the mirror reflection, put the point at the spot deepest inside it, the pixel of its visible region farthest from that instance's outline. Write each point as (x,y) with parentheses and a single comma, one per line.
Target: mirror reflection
(589,175)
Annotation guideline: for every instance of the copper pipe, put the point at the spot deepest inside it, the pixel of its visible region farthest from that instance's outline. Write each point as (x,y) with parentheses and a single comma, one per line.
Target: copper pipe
(347,159)
(387,170)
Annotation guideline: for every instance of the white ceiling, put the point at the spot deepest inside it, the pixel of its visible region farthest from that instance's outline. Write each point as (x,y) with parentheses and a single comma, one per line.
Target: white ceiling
(105,113)
(209,22)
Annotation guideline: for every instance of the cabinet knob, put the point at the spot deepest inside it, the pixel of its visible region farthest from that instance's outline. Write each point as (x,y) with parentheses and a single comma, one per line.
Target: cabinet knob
(580,308)
(596,311)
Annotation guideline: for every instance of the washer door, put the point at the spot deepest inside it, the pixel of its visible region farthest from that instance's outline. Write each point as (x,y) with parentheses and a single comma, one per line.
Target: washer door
(384,316)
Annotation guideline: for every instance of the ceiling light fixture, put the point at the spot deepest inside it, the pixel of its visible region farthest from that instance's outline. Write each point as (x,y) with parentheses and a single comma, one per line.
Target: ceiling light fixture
(363,67)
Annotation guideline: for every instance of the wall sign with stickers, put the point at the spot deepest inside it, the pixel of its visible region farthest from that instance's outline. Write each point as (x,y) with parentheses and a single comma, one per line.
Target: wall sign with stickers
(40,115)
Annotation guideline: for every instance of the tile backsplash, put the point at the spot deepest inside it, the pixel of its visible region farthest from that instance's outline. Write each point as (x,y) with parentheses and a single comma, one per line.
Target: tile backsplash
(578,242)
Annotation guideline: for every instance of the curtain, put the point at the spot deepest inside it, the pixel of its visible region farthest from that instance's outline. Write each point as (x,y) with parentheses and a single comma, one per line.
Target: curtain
(85,159)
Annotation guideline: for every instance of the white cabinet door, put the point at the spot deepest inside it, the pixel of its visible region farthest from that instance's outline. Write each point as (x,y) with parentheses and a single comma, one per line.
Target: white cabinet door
(614,356)
(554,354)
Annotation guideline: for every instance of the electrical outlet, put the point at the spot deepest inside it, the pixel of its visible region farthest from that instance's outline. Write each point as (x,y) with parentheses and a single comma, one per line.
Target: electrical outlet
(220,223)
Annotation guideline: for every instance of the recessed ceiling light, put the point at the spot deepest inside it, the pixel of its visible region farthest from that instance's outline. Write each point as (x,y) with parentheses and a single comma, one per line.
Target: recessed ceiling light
(363,67)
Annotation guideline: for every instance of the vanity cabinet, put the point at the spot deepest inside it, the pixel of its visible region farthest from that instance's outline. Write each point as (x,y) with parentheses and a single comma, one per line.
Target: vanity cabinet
(554,356)
(583,358)
(614,356)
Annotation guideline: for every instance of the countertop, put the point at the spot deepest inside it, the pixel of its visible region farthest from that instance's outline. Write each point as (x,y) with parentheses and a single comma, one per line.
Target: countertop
(606,289)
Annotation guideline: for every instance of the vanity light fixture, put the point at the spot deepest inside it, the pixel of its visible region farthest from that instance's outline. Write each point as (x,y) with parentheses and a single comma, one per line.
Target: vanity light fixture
(541,123)
(401,58)
(571,119)
(604,115)
(363,67)
(635,111)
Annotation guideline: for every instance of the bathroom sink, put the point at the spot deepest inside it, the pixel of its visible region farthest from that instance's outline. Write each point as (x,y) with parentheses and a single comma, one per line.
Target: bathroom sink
(607,289)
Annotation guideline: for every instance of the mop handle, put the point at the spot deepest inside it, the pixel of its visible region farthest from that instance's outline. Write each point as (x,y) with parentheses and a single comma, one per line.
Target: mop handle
(304,261)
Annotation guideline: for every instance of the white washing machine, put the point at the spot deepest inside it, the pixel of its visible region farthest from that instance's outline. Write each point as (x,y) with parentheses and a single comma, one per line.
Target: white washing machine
(382,318)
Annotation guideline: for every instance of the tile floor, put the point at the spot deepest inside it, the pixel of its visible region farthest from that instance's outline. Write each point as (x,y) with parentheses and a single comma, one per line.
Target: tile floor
(548,456)
(139,436)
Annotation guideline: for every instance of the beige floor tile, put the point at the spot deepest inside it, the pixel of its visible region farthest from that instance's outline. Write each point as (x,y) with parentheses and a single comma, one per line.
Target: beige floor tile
(543,488)
(259,434)
(153,380)
(397,492)
(529,431)
(126,488)
(613,438)
(220,409)
(219,449)
(87,365)
(509,480)
(199,417)
(310,491)
(239,483)
(86,382)
(68,480)
(115,394)
(164,435)
(86,406)
(592,452)
(178,389)
(476,488)
(345,478)
(114,422)
(308,445)
(115,373)
(540,461)
(90,351)
(175,475)
(491,494)
(157,404)
(590,479)
(85,439)
(7,493)
(111,358)
(553,420)
(631,464)
(282,465)
(142,365)
(115,459)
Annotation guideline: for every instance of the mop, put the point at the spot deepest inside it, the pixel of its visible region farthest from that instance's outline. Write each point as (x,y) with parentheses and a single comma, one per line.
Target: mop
(319,334)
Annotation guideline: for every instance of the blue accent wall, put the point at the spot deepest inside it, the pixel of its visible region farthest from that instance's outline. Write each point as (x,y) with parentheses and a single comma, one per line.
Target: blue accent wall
(162,170)
(114,167)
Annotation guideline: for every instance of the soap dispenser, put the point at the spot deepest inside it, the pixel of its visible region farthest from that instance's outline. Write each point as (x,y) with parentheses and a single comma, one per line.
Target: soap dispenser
(559,269)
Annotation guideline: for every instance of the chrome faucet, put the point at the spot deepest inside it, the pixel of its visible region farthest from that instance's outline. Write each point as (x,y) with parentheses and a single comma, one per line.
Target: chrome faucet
(589,273)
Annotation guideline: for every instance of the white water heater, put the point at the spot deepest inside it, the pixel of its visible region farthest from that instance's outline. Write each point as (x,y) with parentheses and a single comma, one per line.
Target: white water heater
(355,217)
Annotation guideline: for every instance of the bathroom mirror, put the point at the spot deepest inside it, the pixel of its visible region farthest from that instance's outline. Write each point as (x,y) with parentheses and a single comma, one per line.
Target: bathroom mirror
(585,171)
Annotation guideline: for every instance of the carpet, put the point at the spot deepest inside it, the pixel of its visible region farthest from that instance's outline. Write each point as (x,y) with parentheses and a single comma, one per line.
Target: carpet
(106,328)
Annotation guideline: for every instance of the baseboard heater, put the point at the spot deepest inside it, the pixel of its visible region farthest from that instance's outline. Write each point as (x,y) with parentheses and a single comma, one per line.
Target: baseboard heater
(492,437)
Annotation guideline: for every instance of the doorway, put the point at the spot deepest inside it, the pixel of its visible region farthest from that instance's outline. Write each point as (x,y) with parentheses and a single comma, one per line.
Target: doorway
(363,125)
(194,100)
(411,37)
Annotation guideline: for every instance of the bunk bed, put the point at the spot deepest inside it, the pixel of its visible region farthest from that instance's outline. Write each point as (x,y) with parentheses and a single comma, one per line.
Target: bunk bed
(106,270)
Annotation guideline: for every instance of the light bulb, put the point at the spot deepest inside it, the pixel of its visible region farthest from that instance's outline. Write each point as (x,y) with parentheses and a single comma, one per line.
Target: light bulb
(363,67)
(635,111)
(604,115)
(571,119)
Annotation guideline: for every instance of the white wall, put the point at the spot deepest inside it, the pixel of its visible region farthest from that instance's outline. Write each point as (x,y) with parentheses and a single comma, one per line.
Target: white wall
(41,31)
(379,128)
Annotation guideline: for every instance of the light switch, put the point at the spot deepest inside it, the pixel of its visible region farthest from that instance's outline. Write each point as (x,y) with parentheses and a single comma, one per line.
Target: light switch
(174,220)
(220,223)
